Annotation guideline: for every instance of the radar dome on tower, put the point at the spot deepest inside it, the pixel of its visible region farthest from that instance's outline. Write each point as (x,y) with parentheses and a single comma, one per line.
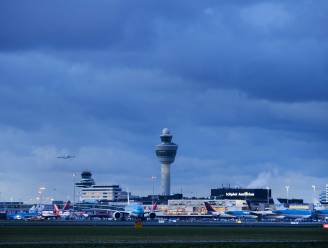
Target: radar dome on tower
(165,131)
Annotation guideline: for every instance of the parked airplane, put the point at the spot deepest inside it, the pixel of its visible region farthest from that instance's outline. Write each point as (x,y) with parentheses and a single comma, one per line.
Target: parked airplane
(135,211)
(286,213)
(241,214)
(23,216)
(232,213)
(321,213)
(212,211)
(293,213)
(55,212)
(65,212)
(50,214)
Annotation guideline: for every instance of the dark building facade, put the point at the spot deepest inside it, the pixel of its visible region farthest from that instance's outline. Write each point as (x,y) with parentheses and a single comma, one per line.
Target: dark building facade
(14,207)
(241,194)
(159,199)
(290,201)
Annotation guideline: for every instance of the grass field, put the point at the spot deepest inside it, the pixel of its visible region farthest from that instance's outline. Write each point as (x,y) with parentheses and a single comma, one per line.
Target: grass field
(184,245)
(109,236)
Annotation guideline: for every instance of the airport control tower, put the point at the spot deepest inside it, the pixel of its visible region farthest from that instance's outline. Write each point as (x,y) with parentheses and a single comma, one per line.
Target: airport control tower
(165,153)
(86,180)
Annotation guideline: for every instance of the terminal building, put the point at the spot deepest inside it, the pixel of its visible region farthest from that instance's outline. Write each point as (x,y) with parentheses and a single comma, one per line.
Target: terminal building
(197,206)
(324,196)
(103,193)
(14,207)
(90,192)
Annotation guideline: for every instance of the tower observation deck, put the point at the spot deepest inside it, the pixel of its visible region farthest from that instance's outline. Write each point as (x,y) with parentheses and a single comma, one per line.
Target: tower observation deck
(86,180)
(165,153)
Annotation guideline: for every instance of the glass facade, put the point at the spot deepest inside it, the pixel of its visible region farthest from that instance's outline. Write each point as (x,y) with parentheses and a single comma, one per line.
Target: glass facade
(166,153)
(166,138)
(324,196)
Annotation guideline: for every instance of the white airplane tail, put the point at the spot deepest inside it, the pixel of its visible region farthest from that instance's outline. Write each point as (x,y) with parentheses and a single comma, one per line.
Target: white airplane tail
(278,205)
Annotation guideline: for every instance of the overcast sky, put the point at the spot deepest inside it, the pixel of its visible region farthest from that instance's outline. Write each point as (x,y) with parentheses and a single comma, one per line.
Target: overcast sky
(242,85)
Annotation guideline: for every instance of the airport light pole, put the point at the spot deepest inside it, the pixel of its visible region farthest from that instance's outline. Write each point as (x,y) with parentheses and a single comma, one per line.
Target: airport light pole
(267,187)
(287,192)
(41,190)
(74,192)
(153,178)
(314,193)
(54,193)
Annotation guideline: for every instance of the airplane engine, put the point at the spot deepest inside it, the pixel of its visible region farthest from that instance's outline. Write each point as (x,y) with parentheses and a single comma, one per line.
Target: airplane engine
(152,215)
(117,215)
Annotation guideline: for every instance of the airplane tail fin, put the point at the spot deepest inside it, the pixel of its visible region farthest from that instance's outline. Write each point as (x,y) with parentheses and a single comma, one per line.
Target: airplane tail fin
(249,204)
(209,208)
(67,205)
(32,209)
(278,205)
(154,206)
(56,210)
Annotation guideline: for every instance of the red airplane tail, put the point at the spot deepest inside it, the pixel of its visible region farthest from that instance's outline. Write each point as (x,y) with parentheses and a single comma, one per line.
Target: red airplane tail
(154,206)
(67,205)
(56,210)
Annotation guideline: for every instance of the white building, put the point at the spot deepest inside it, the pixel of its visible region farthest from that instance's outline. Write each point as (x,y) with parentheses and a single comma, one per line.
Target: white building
(324,196)
(197,206)
(103,192)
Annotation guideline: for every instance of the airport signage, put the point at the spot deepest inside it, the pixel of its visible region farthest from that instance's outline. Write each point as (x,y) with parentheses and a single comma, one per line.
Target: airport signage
(241,193)
(244,194)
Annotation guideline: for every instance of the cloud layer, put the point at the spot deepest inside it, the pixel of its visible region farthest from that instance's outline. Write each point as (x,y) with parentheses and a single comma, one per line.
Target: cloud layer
(242,86)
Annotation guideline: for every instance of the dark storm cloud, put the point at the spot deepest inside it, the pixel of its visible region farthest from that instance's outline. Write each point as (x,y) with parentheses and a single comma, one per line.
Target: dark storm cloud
(242,85)
(84,25)
(131,98)
(274,49)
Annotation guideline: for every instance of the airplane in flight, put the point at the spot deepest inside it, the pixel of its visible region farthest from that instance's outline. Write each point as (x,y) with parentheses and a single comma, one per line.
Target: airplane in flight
(66,156)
